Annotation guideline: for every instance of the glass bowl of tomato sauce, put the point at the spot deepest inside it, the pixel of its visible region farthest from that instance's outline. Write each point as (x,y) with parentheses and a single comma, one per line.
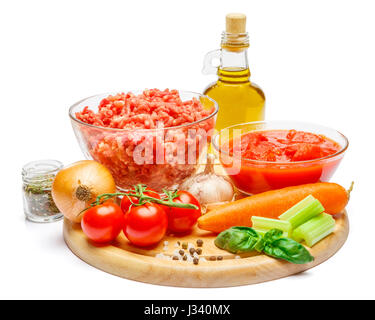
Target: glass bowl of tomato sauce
(266,155)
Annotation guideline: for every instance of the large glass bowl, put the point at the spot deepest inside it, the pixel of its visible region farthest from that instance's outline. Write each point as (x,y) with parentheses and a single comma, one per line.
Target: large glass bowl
(255,176)
(160,158)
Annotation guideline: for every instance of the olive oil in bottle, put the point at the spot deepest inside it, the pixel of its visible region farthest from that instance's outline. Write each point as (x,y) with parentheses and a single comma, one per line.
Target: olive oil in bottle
(239,99)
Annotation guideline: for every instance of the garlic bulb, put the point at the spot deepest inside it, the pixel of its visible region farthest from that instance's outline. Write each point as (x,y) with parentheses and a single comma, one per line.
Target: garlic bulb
(209,187)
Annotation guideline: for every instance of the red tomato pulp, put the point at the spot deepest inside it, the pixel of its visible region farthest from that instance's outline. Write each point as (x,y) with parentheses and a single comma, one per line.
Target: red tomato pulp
(275,159)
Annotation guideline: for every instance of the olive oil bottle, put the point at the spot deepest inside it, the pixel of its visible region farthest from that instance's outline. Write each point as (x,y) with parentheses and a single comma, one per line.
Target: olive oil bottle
(239,99)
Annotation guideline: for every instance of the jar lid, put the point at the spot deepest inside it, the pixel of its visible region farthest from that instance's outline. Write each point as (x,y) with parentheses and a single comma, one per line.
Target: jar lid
(40,169)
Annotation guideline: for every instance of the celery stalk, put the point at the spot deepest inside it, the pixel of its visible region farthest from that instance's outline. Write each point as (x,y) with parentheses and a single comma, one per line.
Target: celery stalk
(302,211)
(315,229)
(296,235)
(297,207)
(268,224)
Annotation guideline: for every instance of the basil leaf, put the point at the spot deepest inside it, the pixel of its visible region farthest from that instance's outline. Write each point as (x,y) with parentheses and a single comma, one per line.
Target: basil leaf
(245,239)
(289,250)
(273,235)
(239,239)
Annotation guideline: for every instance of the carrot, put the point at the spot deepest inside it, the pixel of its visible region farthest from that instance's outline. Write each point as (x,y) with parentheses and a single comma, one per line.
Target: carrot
(272,204)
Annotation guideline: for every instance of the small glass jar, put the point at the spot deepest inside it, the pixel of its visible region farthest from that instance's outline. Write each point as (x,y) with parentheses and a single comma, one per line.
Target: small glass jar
(37,178)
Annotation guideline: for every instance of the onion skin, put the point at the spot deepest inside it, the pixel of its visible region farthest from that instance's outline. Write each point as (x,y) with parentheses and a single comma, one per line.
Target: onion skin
(90,178)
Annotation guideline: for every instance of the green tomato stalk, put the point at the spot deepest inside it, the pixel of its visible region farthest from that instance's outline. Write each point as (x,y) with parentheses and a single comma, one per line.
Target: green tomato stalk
(143,199)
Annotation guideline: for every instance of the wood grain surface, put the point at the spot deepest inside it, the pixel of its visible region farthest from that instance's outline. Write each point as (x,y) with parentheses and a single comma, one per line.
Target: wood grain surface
(141,264)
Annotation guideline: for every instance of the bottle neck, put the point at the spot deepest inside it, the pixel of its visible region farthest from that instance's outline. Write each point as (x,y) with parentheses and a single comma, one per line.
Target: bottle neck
(234,66)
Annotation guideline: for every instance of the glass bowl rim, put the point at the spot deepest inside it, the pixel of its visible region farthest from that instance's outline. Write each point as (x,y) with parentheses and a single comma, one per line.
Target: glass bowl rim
(291,163)
(72,116)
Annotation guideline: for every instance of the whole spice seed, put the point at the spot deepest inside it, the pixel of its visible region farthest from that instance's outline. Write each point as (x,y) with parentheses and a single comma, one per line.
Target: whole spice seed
(191,250)
(199,251)
(199,242)
(184,257)
(181,252)
(184,245)
(195,260)
(175,258)
(213,258)
(219,258)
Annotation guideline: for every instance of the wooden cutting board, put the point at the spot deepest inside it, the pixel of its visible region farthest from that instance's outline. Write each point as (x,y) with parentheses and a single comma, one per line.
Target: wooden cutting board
(125,260)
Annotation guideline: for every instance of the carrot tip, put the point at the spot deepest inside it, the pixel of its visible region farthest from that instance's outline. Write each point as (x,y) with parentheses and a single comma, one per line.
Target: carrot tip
(350,188)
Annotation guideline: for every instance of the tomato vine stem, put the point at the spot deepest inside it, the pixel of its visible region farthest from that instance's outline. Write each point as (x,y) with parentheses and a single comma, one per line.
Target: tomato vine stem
(143,199)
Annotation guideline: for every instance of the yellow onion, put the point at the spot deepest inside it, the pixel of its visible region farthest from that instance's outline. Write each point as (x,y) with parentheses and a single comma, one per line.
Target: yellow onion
(77,186)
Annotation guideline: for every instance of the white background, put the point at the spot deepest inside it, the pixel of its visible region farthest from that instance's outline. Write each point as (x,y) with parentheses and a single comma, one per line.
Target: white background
(314,60)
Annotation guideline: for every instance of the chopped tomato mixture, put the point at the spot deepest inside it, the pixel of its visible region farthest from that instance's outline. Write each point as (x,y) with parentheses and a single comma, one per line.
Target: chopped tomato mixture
(287,154)
(286,146)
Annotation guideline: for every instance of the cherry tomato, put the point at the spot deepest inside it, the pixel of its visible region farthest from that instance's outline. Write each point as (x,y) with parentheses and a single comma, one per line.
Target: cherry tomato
(180,219)
(103,223)
(145,225)
(126,202)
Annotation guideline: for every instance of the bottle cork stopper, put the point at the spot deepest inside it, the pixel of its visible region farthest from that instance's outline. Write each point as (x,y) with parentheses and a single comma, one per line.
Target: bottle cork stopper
(236,23)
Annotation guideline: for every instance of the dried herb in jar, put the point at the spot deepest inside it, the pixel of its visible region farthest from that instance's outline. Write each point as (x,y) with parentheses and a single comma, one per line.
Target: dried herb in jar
(37,179)
(39,197)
